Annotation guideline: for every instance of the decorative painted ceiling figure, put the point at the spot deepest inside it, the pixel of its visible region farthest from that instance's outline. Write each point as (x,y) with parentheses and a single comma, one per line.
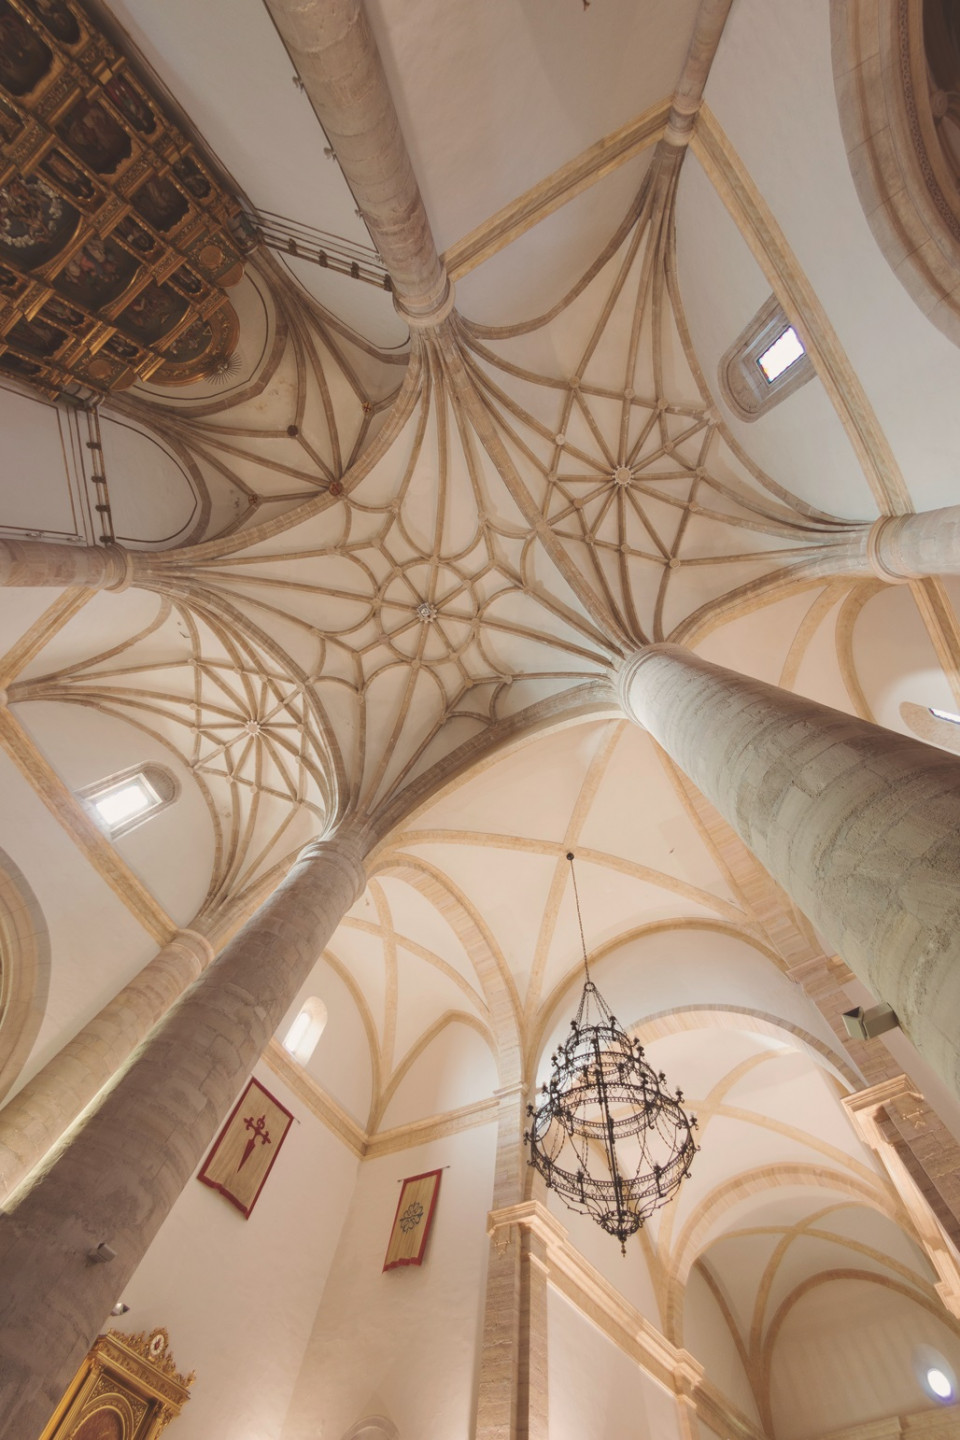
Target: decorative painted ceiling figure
(131,103)
(97,273)
(68,176)
(95,137)
(160,203)
(34,221)
(24,59)
(57,17)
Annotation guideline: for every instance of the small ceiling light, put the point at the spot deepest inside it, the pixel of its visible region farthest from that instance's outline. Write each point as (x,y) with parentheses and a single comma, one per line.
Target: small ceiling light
(608,1136)
(938,1383)
(784,352)
(119,1308)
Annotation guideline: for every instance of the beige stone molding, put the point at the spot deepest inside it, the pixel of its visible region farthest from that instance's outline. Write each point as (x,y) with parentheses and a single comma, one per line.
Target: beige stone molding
(688,96)
(770,249)
(919,1425)
(37,1117)
(903,179)
(24,970)
(89,839)
(555,190)
(316,1099)
(577,1280)
(364,1145)
(37,635)
(336,55)
(917,1151)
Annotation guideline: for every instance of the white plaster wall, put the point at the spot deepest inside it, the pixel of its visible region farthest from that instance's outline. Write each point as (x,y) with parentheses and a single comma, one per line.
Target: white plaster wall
(847,1353)
(597,1392)
(629,1273)
(691,968)
(153,498)
(771,87)
(707,1336)
(39,452)
(238,1296)
(455,1069)
(800,442)
(402,1344)
(341,1063)
(96,944)
(173,851)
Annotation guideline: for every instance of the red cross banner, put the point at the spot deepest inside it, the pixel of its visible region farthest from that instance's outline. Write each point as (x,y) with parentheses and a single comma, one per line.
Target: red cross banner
(244,1151)
(411,1224)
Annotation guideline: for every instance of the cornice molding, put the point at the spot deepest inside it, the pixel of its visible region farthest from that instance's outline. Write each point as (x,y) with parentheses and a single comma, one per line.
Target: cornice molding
(622,1323)
(364,1145)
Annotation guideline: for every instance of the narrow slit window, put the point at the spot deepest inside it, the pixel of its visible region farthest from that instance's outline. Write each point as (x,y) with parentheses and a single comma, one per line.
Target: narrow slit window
(301,1039)
(944,715)
(126,801)
(784,352)
(766,363)
(120,802)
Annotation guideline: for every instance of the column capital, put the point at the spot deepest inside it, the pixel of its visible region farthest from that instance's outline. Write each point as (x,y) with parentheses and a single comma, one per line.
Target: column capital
(887,529)
(628,673)
(43,563)
(196,944)
(427,311)
(345,850)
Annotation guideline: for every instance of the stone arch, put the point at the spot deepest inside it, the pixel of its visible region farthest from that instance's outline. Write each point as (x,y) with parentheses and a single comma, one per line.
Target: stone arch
(697,1233)
(373,1427)
(902,175)
(24,970)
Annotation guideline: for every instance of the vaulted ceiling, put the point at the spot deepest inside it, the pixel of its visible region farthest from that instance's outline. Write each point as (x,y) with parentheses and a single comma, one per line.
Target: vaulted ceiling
(413,559)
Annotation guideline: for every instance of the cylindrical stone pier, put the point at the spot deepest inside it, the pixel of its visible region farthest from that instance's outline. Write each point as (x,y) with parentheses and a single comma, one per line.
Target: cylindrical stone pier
(33,1121)
(909,547)
(37,562)
(860,825)
(117,1173)
(332,46)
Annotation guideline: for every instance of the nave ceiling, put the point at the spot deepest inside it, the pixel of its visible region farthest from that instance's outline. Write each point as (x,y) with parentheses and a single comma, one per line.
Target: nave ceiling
(414,560)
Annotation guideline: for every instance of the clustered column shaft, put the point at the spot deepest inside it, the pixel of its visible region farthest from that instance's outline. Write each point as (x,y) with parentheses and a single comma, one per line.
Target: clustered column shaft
(860,825)
(33,562)
(116,1176)
(33,1121)
(332,46)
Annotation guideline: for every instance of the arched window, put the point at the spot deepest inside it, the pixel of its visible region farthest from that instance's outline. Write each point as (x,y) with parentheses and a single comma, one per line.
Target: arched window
(301,1039)
(937,727)
(765,363)
(121,802)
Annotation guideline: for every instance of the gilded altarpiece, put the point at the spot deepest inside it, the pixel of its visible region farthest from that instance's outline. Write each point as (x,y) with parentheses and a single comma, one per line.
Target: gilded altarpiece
(117,243)
(128,1388)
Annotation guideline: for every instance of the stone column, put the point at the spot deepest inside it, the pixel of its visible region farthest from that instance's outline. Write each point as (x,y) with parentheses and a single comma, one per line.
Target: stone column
(895,548)
(37,562)
(332,46)
(861,826)
(116,1174)
(33,1121)
(909,547)
(512,1387)
(688,96)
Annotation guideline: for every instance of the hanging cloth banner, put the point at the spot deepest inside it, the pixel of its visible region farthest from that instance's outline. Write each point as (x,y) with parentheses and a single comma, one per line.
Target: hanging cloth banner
(244,1151)
(411,1224)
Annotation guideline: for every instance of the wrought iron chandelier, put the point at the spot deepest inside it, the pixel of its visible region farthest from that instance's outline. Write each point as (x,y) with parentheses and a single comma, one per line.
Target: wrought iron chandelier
(608,1136)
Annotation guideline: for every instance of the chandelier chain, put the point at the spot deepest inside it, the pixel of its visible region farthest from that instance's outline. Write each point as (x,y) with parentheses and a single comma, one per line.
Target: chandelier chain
(576,896)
